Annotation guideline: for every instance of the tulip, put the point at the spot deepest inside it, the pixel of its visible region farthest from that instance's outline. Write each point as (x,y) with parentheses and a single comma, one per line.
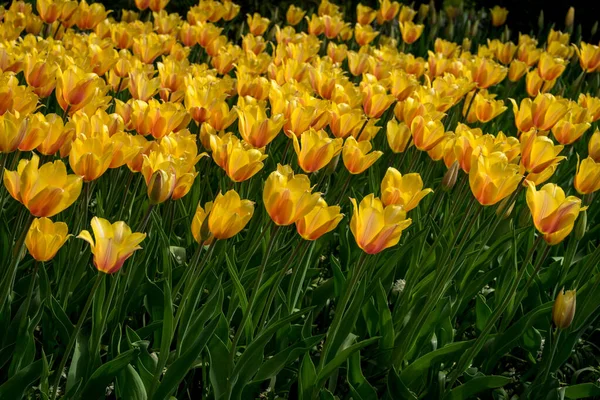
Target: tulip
(594,146)
(376,100)
(315,149)
(294,15)
(90,15)
(587,178)
(161,185)
(345,120)
(125,148)
(334,25)
(505,52)
(542,113)
(499,15)
(113,244)
(320,220)
(553,214)
(255,127)
(592,104)
(550,67)
(410,31)
(57,135)
(538,152)
(75,88)
(49,10)
(141,86)
(534,83)
(589,57)
(315,25)
(358,63)
(485,72)
(406,14)
(40,73)
(229,215)
(157,5)
(563,310)
(148,47)
(375,227)
(13,130)
(238,160)
(364,34)
(387,10)
(484,107)
(426,132)
(398,136)
(45,238)
(287,197)
(492,178)
(572,126)
(406,191)
(257,24)
(199,227)
(356,155)
(337,53)
(528,53)
(516,70)
(402,84)
(364,14)
(298,119)
(45,190)
(91,156)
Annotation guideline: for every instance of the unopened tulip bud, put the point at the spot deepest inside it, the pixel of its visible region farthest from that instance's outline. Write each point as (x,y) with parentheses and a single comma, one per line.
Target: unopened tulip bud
(475,29)
(450,177)
(158,188)
(563,310)
(541,20)
(570,18)
(504,209)
(581,226)
(594,28)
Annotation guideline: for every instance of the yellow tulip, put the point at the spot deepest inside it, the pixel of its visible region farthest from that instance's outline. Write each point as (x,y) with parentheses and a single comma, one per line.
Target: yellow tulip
(57,135)
(538,152)
(563,310)
(406,14)
(199,227)
(376,100)
(492,178)
(257,24)
(550,67)
(398,136)
(91,156)
(90,15)
(426,132)
(499,15)
(141,86)
(402,84)
(410,31)
(375,227)
(406,191)
(255,127)
(542,113)
(287,197)
(356,155)
(592,104)
(594,146)
(364,34)
(45,238)
(320,220)
(345,120)
(113,244)
(589,57)
(587,178)
(243,162)
(387,10)
(294,15)
(75,88)
(516,70)
(45,190)
(572,126)
(553,214)
(229,215)
(13,129)
(485,73)
(505,52)
(364,14)
(315,149)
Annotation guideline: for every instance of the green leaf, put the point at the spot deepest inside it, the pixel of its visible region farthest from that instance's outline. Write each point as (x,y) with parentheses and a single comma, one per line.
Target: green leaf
(477,385)
(307,377)
(239,288)
(482,312)
(130,385)
(15,387)
(180,367)
(79,361)
(361,389)
(219,366)
(273,365)
(582,391)
(95,387)
(418,369)
(397,389)
(340,358)
(62,321)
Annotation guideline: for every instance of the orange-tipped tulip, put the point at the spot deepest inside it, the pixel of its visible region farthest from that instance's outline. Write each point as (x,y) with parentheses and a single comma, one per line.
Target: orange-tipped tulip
(356,156)
(398,136)
(320,220)
(542,113)
(587,178)
(406,191)
(45,238)
(315,149)
(553,213)
(113,244)
(538,152)
(375,227)
(91,156)
(594,146)
(426,132)
(45,190)
(255,127)
(229,215)
(410,31)
(492,178)
(287,197)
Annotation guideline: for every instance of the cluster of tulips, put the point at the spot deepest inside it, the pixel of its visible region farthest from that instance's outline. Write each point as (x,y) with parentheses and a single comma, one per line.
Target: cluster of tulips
(160,121)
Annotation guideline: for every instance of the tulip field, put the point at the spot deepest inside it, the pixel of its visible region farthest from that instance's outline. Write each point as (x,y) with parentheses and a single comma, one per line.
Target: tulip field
(307,201)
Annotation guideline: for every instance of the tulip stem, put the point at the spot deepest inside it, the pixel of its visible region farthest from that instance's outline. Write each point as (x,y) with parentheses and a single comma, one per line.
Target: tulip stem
(73,337)
(476,348)
(29,295)
(145,218)
(261,270)
(344,188)
(556,338)
(7,282)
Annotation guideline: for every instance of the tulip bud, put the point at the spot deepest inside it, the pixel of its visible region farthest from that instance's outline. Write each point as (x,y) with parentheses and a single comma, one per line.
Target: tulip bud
(504,210)
(541,20)
(581,226)
(475,29)
(432,13)
(594,28)
(158,190)
(570,18)
(450,177)
(563,310)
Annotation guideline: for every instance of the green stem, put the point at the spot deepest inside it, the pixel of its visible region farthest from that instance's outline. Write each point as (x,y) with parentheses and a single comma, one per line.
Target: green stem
(552,353)
(29,295)
(74,334)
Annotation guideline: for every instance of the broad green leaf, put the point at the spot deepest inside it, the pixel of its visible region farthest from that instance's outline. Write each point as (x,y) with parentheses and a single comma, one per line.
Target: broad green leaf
(307,377)
(219,366)
(15,387)
(397,389)
(130,386)
(340,358)
(477,385)
(95,387)
(582,391)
